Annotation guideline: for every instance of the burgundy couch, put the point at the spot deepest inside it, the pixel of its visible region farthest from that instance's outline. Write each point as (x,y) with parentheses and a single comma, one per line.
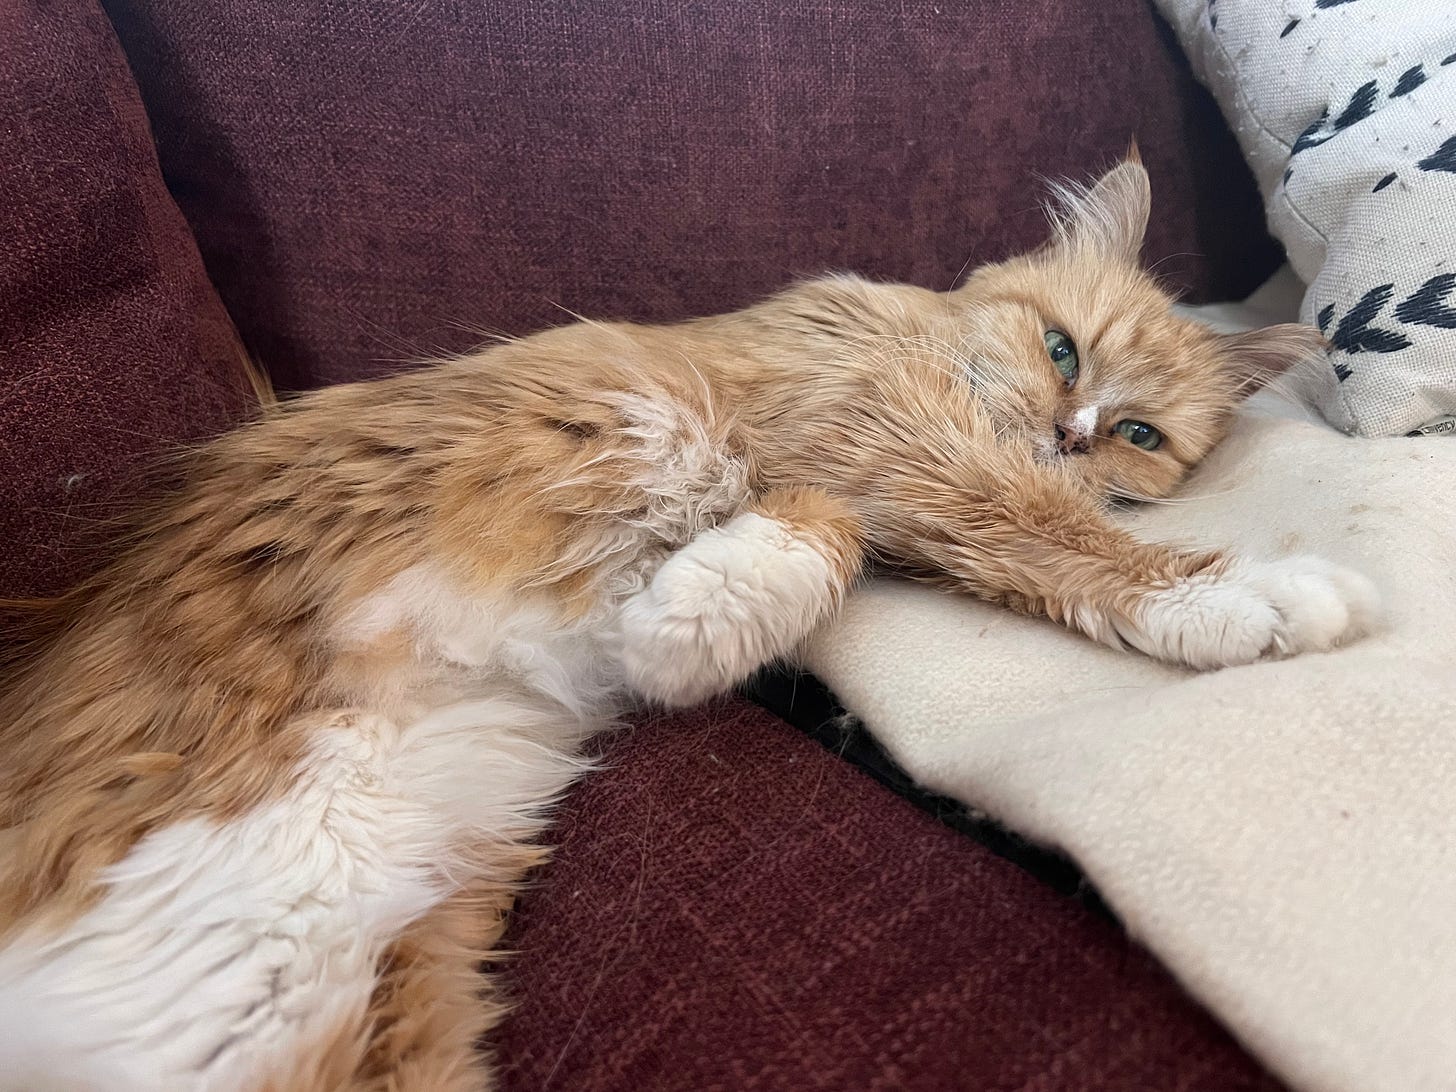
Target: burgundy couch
(338,187)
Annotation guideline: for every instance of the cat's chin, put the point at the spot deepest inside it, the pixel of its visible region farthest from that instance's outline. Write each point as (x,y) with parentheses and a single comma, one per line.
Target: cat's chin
(1076,467)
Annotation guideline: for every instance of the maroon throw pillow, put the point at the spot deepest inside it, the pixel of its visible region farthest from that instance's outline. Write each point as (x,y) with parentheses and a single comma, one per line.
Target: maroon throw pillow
(371,184)
(113,344)
(731,907)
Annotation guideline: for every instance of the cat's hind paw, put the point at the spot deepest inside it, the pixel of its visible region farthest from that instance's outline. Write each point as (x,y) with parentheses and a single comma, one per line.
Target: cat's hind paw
(1243,611)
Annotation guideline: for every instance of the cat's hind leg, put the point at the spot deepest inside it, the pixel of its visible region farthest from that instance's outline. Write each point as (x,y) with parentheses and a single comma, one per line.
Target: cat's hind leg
(739,595)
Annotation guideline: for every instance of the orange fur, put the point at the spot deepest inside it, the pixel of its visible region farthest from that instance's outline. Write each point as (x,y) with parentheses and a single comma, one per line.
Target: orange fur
(186,679)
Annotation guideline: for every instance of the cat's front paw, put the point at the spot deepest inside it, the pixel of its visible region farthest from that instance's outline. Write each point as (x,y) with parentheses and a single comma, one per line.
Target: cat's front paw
(738,596)
(1245,611)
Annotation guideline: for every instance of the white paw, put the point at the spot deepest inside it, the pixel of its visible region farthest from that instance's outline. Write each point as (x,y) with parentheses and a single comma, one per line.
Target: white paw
(1251,610)
(731,600)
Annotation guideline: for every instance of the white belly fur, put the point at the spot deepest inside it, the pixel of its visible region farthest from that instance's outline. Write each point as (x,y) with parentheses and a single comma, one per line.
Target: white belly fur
(217,947)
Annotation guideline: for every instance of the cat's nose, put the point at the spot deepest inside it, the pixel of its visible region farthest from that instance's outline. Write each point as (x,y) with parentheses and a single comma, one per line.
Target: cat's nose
(1072,441)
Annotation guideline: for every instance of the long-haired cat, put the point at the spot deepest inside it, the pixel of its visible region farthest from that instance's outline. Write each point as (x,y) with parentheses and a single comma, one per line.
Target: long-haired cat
(269,779)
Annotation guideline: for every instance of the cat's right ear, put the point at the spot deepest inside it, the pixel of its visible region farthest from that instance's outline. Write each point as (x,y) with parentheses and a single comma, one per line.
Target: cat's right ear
(1106,220)
(1258,356)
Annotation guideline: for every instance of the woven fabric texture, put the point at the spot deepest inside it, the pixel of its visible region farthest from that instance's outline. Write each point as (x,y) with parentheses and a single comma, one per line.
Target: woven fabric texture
(371,184)
(778,921)
(113,345)
(1279,834)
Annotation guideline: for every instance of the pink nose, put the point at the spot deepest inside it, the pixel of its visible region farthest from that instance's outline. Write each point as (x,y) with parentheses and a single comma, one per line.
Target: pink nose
(1071,441)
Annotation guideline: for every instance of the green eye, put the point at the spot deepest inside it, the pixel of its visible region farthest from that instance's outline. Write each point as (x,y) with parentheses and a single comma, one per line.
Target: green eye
(1063,351)
(1143,436)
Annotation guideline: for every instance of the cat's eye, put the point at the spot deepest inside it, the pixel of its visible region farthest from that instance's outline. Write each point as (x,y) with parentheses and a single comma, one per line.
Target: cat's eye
(1139,434)
(1063,351)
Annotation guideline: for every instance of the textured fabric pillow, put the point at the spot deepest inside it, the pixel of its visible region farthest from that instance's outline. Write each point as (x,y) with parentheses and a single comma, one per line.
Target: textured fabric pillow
(1346,110)
(777,921)
(113,345)
(371,184)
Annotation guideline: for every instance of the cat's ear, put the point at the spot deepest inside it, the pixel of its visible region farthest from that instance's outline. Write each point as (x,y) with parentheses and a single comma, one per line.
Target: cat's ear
(1257,356)
(1107,219)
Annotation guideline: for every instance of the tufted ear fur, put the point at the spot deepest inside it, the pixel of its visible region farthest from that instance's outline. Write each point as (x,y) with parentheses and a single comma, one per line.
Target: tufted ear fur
(1258,356)
(1107,219)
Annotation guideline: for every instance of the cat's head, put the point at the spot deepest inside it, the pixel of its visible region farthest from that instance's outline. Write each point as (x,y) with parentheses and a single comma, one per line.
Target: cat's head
(1075,349)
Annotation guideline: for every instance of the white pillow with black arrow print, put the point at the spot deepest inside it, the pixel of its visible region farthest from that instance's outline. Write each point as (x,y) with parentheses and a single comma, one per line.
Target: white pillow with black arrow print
(1346,111)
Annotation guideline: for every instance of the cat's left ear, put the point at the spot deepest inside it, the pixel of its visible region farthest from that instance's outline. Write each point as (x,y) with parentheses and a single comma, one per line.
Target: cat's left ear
(1258,356)
(1107,219)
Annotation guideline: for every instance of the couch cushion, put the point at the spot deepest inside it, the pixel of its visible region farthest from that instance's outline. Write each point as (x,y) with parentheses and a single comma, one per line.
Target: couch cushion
(732,907)
(374,184)
(113,344)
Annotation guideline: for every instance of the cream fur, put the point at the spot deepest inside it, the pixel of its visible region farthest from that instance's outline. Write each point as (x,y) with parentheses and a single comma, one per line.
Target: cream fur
(1085,419)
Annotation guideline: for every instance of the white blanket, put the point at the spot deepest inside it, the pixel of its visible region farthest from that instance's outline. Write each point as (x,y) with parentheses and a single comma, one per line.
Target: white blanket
(1282,836)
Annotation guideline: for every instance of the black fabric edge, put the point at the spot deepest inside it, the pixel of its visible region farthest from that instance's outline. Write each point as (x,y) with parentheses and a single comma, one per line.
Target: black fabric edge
(804,702)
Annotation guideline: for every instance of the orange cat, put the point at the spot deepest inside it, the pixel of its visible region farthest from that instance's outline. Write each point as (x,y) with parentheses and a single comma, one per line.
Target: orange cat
(270,778)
